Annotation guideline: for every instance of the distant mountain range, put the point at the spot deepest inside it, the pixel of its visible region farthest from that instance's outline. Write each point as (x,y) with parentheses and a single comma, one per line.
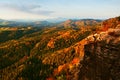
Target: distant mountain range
(24,23)
(51,22)
(81,22)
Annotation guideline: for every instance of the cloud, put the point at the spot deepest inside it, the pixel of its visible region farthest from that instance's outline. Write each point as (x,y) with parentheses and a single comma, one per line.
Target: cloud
(28,8)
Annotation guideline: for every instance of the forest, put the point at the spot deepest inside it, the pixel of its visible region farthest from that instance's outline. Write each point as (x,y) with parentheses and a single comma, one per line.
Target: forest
(85,49)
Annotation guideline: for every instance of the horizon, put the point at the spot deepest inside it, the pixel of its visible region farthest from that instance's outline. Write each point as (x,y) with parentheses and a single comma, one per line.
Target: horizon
(54,9)
(52,20)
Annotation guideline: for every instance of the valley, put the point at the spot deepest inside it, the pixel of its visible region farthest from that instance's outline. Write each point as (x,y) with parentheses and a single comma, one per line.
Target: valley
(86,49)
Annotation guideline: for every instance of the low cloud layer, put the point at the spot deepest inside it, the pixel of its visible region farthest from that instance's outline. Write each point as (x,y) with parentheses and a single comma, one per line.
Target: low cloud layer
(32,9)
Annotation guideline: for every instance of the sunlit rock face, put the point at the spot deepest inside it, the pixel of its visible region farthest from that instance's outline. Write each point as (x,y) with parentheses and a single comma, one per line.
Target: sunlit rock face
(102,56)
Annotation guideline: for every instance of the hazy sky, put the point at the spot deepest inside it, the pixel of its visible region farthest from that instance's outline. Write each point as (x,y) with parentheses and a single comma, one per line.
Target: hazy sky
(47,9)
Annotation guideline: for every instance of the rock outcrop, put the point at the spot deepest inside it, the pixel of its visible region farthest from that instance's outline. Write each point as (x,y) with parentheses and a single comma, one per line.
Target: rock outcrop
(98,58)
(102,57)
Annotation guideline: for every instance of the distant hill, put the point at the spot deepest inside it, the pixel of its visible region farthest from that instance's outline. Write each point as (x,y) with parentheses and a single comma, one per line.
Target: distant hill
(1,20)
(81,23)
(21,24)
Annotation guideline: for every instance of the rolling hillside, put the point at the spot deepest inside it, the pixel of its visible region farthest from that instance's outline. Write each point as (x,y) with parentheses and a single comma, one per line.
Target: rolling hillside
(73,50)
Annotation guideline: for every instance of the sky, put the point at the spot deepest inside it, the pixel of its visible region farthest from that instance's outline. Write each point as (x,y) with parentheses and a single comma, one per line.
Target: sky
(50,9)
